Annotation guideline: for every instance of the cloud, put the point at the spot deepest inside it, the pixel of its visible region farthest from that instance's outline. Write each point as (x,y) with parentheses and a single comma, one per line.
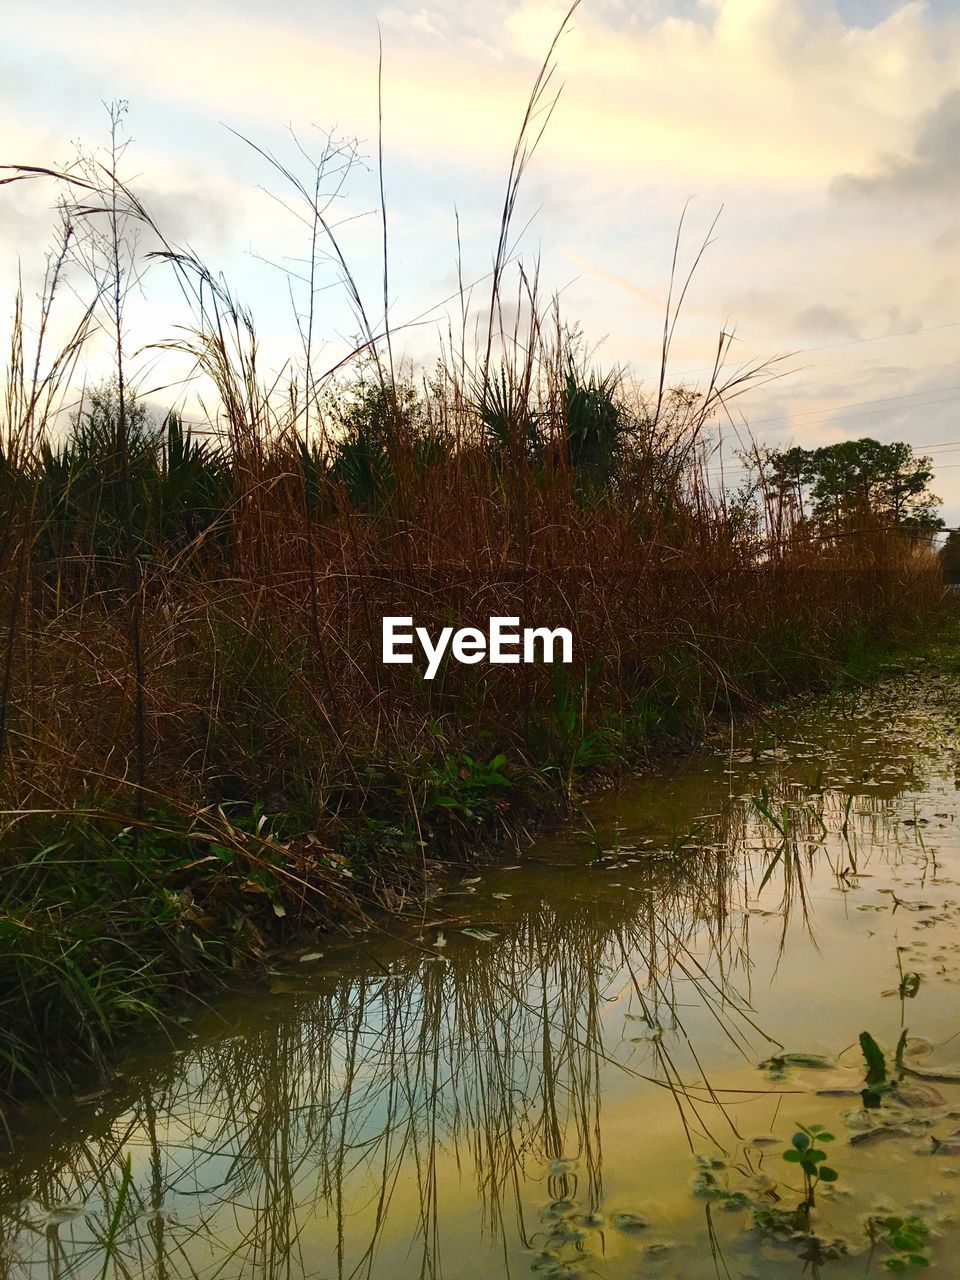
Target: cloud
(779,93)
(821,320)
(946,240)
(929,169)
(899,322)
(424,22)
(190,213)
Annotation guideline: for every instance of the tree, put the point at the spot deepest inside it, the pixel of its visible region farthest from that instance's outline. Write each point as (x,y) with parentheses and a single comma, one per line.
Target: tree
(857,479)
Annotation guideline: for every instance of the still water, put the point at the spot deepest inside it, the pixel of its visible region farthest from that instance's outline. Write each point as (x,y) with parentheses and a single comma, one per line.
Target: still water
(589,1064)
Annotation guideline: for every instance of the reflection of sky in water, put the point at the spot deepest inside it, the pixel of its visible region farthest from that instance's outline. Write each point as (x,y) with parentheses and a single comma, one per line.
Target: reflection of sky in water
(401,1110)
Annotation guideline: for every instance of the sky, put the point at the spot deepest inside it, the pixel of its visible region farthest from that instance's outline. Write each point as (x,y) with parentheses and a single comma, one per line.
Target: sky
(825,133)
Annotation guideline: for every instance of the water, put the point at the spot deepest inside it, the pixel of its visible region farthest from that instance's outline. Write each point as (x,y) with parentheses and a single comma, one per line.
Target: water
(530,1098)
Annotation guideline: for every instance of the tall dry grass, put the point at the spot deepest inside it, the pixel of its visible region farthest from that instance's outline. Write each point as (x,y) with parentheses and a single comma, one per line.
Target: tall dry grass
(199,742)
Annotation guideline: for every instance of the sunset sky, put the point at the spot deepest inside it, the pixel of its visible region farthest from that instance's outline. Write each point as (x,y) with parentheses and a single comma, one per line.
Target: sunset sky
(828,130)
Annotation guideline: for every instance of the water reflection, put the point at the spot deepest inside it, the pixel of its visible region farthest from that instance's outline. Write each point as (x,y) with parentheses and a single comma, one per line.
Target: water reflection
(483,1103)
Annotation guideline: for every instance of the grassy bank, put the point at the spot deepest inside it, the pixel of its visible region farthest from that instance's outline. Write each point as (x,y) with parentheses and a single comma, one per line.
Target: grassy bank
(204,758)
(216,763)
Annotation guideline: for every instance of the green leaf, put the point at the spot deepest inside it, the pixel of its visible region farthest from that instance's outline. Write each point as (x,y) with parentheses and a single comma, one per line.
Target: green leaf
(792,1157)
(873,1056)
(827,1174)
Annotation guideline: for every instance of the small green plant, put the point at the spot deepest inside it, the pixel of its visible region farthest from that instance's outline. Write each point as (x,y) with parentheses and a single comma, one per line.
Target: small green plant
(468,788)
(877,1081)
(906,1237)
(711,1184)
(805,1152)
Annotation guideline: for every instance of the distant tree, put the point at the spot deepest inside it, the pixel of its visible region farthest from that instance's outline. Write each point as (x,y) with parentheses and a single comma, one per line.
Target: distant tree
(790,471)
(950,556)
(857,478)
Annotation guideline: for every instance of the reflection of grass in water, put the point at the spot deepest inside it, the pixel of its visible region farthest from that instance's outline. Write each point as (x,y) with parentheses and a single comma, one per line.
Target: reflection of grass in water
(110,1243)
(492,1055)
(816,827)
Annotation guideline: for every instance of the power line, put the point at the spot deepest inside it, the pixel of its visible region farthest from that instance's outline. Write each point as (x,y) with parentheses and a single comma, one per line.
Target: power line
(792,388)
(883,337)
(826,416)
(855,404)
(874,364)
(836,346)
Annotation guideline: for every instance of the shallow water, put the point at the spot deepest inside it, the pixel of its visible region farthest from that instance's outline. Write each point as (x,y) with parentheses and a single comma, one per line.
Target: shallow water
(558,1073)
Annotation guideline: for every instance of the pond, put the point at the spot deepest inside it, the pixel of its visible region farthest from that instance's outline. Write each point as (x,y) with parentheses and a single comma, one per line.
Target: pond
(587,1064)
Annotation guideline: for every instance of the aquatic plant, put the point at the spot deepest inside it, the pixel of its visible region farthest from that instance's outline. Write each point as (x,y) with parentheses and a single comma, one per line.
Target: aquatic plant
(907,1237)
(712,1183)
(877,1082)
(805,1152)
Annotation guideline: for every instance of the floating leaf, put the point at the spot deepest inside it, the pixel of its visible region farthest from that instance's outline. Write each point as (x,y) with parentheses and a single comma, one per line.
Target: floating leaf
(566,1231)
(629,1222)
(781,1063)
(943,1075)
(561,1208)
(948,1146)
(596,1220)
